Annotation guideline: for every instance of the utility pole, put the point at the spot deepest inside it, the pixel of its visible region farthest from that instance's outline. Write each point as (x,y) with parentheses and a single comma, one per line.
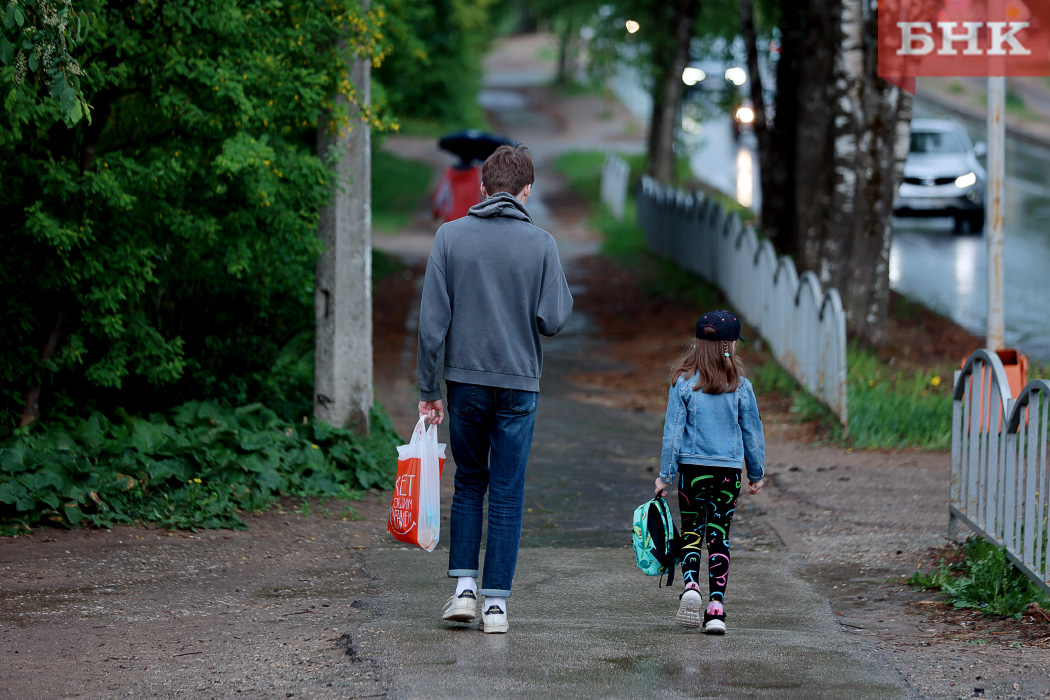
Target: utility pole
(996,226)
(343,392)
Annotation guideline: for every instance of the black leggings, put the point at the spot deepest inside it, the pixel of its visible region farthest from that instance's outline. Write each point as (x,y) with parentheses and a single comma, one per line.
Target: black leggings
(707,498)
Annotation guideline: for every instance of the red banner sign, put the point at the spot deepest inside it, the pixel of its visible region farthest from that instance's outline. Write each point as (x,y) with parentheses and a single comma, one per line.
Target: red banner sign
(963,38)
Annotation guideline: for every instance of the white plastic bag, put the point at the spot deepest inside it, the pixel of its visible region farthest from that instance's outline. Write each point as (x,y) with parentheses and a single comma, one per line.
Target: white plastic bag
(415,510)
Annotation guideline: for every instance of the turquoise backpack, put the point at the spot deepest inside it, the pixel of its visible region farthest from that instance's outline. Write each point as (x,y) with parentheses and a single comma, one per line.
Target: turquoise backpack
(657,544)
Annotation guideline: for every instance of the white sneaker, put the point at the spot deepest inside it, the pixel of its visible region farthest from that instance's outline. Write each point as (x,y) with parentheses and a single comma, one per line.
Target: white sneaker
(689,609)
(494,621)
(461,608)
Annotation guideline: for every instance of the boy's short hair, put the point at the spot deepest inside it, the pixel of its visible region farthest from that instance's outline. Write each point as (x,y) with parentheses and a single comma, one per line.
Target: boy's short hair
(508,169)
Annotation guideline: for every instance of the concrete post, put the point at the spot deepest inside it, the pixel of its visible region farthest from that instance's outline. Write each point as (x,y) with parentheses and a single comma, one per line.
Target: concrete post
(343,391)
(995,224)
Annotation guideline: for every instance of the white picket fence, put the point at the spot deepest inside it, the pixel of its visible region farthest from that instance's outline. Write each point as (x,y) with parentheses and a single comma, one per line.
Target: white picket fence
(803,324)
(999,466)
(615,173)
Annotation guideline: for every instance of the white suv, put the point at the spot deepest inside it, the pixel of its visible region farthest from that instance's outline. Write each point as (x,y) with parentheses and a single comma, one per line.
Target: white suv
(942,176)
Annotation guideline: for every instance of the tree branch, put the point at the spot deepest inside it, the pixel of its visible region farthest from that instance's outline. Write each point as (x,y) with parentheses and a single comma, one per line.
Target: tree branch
(32,408)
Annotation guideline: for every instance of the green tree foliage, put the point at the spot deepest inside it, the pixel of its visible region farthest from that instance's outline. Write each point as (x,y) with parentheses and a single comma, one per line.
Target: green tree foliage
(37,37)
(658,49)
(165,250)
(434,69)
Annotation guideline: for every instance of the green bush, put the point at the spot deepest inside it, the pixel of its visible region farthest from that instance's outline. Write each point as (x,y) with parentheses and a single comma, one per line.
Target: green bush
(169,244)
(286,385)
(985,580)
(197,465)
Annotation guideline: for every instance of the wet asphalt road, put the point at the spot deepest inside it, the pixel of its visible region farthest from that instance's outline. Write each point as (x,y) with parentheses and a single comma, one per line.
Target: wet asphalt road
(948,272)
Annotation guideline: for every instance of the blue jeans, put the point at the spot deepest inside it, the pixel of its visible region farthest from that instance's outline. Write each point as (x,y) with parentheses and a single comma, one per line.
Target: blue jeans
(491,436)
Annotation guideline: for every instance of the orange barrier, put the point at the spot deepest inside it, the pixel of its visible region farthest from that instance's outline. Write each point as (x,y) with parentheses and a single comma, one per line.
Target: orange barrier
(1016,365)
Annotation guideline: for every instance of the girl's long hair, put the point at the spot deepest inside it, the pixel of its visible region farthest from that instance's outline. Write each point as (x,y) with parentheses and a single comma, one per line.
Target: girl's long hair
(706,359)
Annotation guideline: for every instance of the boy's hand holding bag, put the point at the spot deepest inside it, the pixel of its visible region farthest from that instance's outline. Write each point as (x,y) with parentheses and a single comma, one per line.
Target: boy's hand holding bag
(415,510)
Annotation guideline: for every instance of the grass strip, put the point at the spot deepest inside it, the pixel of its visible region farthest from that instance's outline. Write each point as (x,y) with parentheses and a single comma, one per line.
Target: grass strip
(399,189)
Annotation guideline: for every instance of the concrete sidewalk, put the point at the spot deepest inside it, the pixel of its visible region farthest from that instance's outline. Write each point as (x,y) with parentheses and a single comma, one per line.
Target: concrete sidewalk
(588,624)
(585,622)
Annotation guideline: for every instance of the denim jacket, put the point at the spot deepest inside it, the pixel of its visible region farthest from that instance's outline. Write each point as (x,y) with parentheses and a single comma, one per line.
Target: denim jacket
(716,430)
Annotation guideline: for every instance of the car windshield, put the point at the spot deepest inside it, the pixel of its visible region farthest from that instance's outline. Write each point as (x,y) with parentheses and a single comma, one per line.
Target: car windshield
(936,142)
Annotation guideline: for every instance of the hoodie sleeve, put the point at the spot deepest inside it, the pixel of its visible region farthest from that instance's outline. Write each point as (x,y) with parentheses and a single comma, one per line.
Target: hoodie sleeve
(435,315)
(555,300)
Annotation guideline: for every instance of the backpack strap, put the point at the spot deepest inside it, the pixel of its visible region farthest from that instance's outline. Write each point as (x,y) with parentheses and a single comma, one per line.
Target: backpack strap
(674,553)
(673,556)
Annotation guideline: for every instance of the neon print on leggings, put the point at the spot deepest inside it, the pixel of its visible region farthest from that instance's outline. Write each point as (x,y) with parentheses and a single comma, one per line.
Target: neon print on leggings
(707,509)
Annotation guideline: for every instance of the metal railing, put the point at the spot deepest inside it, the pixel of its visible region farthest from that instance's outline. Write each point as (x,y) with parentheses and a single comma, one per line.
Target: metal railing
(615,173)
(804,325)
(999,466)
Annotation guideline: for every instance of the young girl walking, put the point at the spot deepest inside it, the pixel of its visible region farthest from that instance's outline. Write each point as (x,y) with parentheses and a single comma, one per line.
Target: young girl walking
(712,430)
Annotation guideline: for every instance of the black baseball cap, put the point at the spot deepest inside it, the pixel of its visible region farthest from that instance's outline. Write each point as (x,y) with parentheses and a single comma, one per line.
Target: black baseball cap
(718,325)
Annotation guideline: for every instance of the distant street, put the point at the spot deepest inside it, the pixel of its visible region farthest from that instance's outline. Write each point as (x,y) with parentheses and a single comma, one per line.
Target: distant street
(928,262)
(948,272)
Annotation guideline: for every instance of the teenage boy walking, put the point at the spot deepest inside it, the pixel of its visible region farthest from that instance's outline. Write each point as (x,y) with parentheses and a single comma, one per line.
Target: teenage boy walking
(494,284)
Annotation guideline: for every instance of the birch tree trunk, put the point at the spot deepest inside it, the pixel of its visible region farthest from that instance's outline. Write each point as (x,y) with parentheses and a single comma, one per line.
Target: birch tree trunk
(852,142)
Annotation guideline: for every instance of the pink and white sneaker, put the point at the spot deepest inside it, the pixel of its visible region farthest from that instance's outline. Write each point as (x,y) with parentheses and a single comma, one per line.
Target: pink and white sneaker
(714,618)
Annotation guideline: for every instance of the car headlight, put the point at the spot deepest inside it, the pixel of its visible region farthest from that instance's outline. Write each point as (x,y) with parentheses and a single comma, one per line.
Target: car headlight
(745,115)
(736,75)
(967,180)
(691,76)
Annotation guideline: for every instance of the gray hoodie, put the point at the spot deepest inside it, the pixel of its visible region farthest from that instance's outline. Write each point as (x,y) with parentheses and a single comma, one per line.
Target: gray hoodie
(494,284)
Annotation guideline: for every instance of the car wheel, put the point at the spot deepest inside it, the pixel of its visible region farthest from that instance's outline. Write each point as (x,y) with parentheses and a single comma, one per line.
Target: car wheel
(963,224)
(977,221)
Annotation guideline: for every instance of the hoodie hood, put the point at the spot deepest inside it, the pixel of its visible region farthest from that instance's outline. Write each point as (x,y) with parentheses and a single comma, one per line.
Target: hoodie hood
(501,204)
